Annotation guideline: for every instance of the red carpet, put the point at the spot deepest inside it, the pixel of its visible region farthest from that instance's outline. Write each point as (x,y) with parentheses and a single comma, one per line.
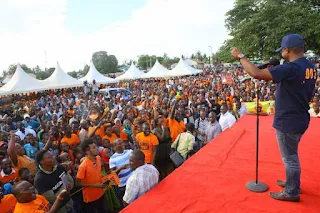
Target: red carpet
(214,179)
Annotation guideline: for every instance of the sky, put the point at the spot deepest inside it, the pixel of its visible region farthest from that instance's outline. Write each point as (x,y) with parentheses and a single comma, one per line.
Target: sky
(42,32)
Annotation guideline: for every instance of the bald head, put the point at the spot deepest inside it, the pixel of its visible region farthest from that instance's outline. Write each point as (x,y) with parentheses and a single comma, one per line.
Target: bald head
(24,192)
(137,158)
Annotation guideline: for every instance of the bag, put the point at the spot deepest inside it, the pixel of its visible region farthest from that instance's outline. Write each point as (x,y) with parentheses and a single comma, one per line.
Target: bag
(176,157)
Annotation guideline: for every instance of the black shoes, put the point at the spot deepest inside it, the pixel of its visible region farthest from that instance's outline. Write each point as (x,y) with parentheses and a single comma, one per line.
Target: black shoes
(281,196)
(283,184)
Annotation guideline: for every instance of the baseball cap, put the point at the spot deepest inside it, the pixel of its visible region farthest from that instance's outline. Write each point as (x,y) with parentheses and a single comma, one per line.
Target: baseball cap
(290,41)
(273,62)
(26,116)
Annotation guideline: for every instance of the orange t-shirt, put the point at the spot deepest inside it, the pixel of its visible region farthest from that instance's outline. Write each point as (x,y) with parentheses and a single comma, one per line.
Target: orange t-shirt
(165,122)
(110,138)
(124,136)
(89,173)
(71,156)
(146,144)
(74,140)
(176,128)
(8,203)
(26,162)
(6,179)
(39,205)
(99,132)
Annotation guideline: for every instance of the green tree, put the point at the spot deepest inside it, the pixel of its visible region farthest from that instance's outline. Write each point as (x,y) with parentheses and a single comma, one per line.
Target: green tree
(147,61)
(223,53)
(199,56)
(105,63)
(12,68)
(73,74)
(257,26)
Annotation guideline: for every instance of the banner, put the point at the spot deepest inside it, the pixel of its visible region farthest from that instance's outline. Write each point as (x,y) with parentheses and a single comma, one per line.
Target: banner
(227,80)
(266,107)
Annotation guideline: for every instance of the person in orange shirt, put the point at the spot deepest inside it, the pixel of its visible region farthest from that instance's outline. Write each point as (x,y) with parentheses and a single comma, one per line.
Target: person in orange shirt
(65,148)
(7,173)
(137,126)
(97,129)
(18,157)
(176,125)
(70,138)
(127,131)
(29,202)
(109,135)
(89,177)
(148,143)
(7,202)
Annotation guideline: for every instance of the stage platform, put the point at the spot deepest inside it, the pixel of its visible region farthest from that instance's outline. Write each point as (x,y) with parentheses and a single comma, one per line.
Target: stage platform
(214,179)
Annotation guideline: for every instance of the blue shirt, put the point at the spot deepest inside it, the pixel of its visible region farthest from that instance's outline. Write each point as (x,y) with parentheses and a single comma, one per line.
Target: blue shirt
(31,150)
(118,160)
(295,86)
(32,124)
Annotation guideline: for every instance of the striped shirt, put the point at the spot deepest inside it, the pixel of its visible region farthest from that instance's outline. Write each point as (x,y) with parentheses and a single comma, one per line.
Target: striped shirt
(143,179)
(118,160)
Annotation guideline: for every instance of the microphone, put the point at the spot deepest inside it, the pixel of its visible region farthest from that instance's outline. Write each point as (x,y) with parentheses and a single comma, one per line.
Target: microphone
(272,62)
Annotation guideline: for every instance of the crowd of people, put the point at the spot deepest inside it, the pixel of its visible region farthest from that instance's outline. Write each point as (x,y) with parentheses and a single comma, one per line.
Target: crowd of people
(75,150)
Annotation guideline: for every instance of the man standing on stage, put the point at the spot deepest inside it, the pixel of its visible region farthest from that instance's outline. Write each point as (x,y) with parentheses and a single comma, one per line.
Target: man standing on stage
(295,86)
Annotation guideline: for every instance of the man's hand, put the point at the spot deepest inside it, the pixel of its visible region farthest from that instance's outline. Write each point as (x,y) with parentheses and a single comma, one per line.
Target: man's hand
(101,185)
(235,52)
(62,194)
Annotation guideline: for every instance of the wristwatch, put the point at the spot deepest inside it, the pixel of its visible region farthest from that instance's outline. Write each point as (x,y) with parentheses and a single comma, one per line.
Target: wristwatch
(241,55)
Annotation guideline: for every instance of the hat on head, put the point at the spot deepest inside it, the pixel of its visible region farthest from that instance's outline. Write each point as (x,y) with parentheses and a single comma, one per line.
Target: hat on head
(26,116)
(291,41)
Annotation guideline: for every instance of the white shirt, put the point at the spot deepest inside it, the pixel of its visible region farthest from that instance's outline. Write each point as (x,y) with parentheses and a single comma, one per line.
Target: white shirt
(27,131)
(226,121)
(141,181)
(314,114)
(4,174)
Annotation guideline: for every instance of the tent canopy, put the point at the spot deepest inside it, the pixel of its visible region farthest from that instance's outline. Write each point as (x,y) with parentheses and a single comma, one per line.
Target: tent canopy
(183,69)
(60,79)
(94,74)
(132,73)
(21,82)
(157,71)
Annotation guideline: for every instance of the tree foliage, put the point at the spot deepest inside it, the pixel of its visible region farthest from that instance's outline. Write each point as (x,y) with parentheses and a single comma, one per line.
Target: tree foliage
(147,61)
(201,57)
(257,26)
(40,73)
(223,53)
(105,63)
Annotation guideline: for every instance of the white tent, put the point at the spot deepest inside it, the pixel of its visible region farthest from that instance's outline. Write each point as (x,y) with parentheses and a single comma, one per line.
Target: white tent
(21,82)
(157,71)
(94,74)
(132,73)
(183,69)
(60,79)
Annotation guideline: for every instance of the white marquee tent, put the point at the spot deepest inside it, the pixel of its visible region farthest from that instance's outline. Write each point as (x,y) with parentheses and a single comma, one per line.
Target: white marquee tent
(94,74)
(132,73)
(157,71)
(21,82)
(183,69)
(60,79)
